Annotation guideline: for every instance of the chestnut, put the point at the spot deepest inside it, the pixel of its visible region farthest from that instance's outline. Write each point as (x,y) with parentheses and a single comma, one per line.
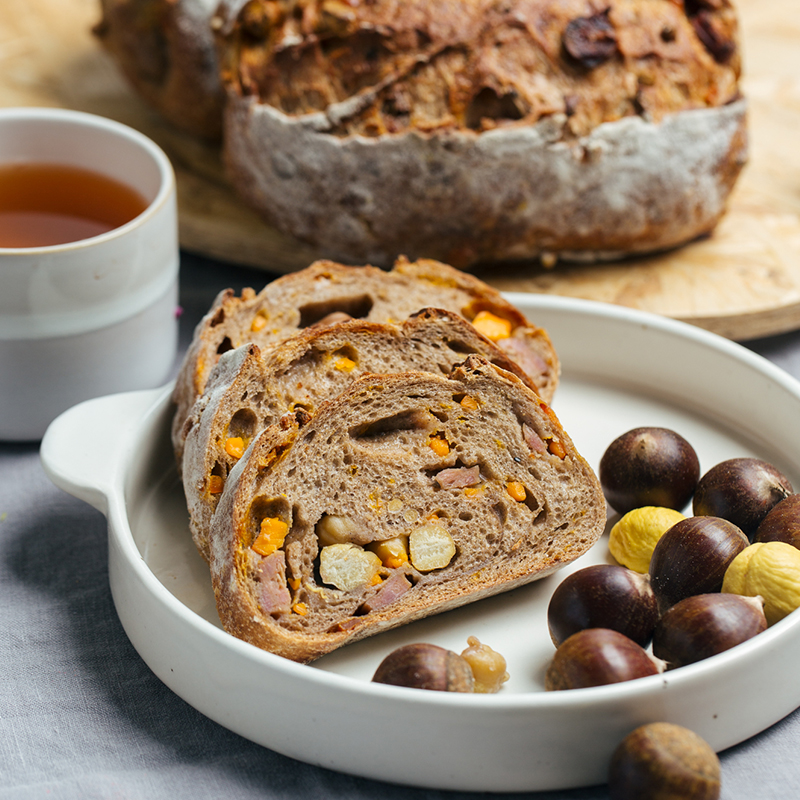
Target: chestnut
(741,490)
(649,467)
(596,657)
(603,596)
(426,666)
(692,556)
(706,624)
(782,523)
(659,761)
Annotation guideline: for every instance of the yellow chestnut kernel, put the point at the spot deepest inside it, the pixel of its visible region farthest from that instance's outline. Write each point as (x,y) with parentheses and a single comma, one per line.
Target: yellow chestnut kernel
(345,364)
(347,566)
(487,665)
(770,570)
(634,537)
(470,403)
(431,546)
(439,445)
(271,536)
(234,446)
(259,323)
(472,491)
(392,552)
(300,608)
(492,326)
(516,490)
(216,483)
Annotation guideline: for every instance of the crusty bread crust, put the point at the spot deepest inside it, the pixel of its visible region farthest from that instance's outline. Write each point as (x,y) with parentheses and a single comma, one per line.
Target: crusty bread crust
(165,48)
(366,457)
(249,390)
(298,300)
(507,130)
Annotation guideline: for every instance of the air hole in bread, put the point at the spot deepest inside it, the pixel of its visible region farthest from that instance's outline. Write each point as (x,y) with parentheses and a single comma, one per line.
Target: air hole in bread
(440,414)
(225,345)
(243,424)
(465,516)
(411,420)
(501,512)
(489,105)
(460,347)
(218,318)
(356,307)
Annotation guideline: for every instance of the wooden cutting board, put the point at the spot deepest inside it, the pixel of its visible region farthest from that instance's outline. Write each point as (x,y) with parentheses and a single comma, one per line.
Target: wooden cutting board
(742,282)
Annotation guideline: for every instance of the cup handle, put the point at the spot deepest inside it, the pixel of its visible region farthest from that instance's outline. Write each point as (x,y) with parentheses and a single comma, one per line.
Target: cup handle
(83,449)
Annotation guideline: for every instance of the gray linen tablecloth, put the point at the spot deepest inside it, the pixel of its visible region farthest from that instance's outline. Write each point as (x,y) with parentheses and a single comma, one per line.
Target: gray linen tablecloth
(83,717)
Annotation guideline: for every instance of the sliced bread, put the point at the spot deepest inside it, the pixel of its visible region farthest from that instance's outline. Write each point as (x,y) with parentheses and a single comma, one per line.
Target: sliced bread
(326,292)
(249,389)
(340,525)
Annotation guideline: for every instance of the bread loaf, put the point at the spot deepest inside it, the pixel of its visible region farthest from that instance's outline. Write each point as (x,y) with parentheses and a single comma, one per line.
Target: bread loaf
(337,526)
(249,390)
(484,130)
(165,48)
(326,291)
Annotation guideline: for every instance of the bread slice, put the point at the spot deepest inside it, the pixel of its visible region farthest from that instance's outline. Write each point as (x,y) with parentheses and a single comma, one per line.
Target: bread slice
(327,291)
(249,390)
(310,537)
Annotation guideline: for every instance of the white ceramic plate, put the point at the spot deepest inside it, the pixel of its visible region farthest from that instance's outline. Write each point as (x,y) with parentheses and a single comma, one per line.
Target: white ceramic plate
(621,369)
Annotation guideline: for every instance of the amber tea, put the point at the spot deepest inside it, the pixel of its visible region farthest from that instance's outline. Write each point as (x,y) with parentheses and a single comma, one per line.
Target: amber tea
(48,204)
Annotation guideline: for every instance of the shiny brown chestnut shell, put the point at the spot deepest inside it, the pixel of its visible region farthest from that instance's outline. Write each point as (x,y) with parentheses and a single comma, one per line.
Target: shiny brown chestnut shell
(649,467)
(741,490)
(603,596)
(596,657)
(692,556)
(426,666)
(782,523)
(706,624)
(662,761)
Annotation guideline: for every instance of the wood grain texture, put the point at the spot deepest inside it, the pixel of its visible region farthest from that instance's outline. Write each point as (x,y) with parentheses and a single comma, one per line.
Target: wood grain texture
(742,282)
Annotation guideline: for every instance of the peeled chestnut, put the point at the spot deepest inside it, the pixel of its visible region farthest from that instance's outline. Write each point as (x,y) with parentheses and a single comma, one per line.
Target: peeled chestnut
(706,624)
(782,523)
(426,666)
(692,556)
(649,467)
(596,657)
(741,490)
(603,596)
(662,761)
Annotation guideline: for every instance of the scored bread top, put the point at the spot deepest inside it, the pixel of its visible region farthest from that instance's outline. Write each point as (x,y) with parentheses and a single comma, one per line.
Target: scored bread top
(249,390)
(326,291)
(338,526)
(385,67)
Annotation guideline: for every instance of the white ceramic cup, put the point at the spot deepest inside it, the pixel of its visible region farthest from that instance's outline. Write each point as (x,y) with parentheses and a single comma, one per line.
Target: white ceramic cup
(95,316)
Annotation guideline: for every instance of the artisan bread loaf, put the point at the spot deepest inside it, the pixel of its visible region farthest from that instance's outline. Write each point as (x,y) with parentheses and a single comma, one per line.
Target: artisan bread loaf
(166,50)
(486,129)
(249,390)
(337,526)
(327,291)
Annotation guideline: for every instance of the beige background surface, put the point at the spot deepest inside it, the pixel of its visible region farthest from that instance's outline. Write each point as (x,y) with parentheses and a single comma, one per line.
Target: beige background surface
(742,282)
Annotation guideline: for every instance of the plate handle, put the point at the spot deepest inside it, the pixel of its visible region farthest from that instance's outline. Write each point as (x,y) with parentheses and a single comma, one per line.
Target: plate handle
(83,449)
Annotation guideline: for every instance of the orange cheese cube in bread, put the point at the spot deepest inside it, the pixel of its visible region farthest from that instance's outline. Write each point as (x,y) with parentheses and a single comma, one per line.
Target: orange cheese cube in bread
(271,537)
(491,326)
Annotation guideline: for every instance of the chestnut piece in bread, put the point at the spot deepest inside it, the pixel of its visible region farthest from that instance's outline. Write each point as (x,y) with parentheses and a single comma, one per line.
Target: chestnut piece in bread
(338,526)
(249,390)
(326,292)
(483,130)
